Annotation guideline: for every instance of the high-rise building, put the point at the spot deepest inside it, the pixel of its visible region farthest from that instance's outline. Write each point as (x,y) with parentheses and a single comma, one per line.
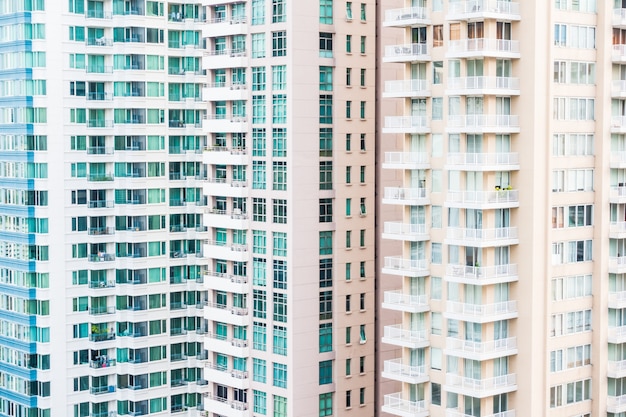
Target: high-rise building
(510,279)
(187,208)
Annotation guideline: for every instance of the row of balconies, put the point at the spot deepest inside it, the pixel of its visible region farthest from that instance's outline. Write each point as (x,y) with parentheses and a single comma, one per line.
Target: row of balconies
(463,48)
(461,199)
(502,236)
(397,404)
(501,161)
(483,85)
(464,123)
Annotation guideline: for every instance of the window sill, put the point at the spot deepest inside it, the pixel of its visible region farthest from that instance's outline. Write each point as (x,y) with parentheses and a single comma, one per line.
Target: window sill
(348,313)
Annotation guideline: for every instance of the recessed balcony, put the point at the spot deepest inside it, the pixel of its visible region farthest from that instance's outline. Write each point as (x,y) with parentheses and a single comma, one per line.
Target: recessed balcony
(225,187)
(217,123)
(224,27)
(405,231)
(481,275)
(481,313)
(618,159)
(405,196)
(397,265)
(398,406)
(235,219)
(483,123)
(466,161)
(619,53)
(483,9)
(616,404)
(398,336)
(408,16)
(455,413)
(618,89)
(480,388)
(399,301)
(398,371)
(617,264)
(410,52)
(617,299)
(406,160)
(617,334)
(406,88)
(495,86)
(483,47)
(217,155)
(482,238)
(616,369)
(483,199)
(617,195)
(619,18)
(481,351)
(406,124)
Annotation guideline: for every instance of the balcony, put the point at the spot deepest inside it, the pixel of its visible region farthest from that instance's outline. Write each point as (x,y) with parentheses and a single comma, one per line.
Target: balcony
(619,53)
(617,264)
(215,405)
(229,251)
(483,47)
(483,199)
(102,257)
(617,299)
(102,390)
(405,231)
(397,336)
(454,413)
(399,301)
(480,388)
(99,41)
(101,337)
(406,88)
(396,265)
(235,219)
(398,371)
(617,195)
(228,58)
(229,377)
(411,52)
(483,9)
(406,160)
(100,311)
(227,314)
(408,16)
(617,230)
(483,123)
(101,284)
(224,124)
(617,335)
(395,404)
(619,18)
(101,231)
(618,89)
(494,86)
(616,369)
(481,313)
(486,162)
(234,347)
(217,155)
(102,177)
(102,362)
(616,404)
(405,196)
(485,275)
(225,187)
(482,238)
(618,124)
(481,351)
(217,281)
(406,124)
(224,27)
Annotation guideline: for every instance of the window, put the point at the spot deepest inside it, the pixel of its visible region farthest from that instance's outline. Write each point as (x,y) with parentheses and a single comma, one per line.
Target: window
(348,10)
(348,239)
(259,240)
(325,372)
(326,175)
(574,36)
(570,323)
(326,141)
(326,305)
(326,242)
(435,391)
(326,404)
(326,78)
(435,288)
(574,392)
(280,406)
(280,307)
(259,336)
(280,340)
(258,78)
(436,253)
(362,269)
(326,337)
(573,108)
(326,12)
(326,210)
(258,12)
(280,375)
(362,77)
(258,175)
(571,357)
(326,109)
(437,108)
(437,72)
(363,12)
(574,286)
(326,45)
(279,77)
(362,301)
(349,44)
(280,243)
(348,77)
(258,45)
(362,238)
(572,180)
(437,35)
(326,273)
(348,109)
(348,366)
(577,216)
(279,147)
(361,396)
(574,72)
(258,142)
(259,304)
(348,207)
(436,323)
(279,43)
(572,144)
(278,11)
(258,209)
(259,370)
(348,303)
(280,274)
(362,110)
(362,337)
(363,38)
(362,142)
(362,207)
(260,402)
(348,335)
(279,170)
(362,174)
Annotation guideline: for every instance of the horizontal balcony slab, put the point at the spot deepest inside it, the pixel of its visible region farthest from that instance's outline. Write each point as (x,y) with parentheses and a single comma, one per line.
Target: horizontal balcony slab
(617,264)
(407,16)
(405,232)
(486,162)
(225,59)
(396,265)
(227,314)
(226,188)
(456,413)
(483,47)
(619,53)
(481,351)
(619,18)
(225,92)
(235,219)
(406,124)
(396,370)
(481,275)
(225,125)
(396,405)
(398,336)
(225,156)
(224,282)
(617,334)
(618,89)
(484,9)
(616,369)
(480,388)
(483,85)
(406,160)
(215,405)
(481,313)
(406,196)
(616,404)
(483,238)
(412,52)
(234,347)
(483,123)
(224,27)
(222,376)
(398,301)
(483,199)
(406,88)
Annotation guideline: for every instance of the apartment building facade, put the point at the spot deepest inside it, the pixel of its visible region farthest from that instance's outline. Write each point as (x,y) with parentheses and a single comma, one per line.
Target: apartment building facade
(509,280)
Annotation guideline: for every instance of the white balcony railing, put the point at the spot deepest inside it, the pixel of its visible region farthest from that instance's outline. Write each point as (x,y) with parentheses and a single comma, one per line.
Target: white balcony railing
(483,7)
(396,193)
(482,311)
(478,160)
(618,158)
(406,230)
(491,348)
(483,197)
(616,369)
(394,404)
(481,386)
(395,17)
(619,52)
(406,88)
(406,123)
(408,51)
(483,46)
(619,17)
(481,235)
(395,367)
(455,413)
(617,299)
(617,263)
(618,88)
(397,334)
(400,299)
(483,121)
(406,158)
(406,265)
(482,274)
(483,83)
(617,334)
(616,404)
